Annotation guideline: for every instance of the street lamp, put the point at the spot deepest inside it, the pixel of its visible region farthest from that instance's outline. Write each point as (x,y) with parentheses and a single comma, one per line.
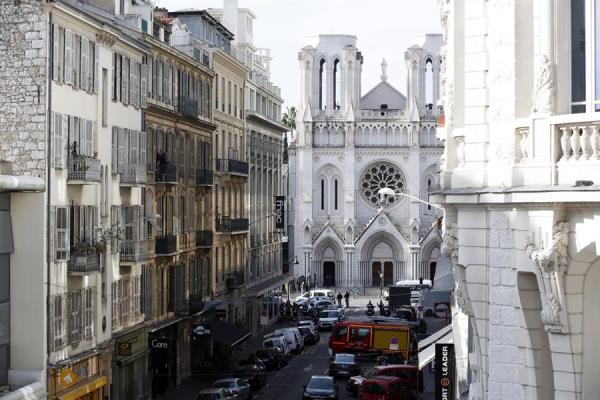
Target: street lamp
(386,191)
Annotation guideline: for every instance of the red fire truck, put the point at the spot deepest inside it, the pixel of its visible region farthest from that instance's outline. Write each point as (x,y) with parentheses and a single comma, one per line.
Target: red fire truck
(374,337)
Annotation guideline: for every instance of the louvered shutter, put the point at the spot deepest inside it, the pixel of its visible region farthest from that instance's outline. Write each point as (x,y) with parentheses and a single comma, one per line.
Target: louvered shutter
(131,94)
(124,79)
(55,51)
(192,157)
(144,88)
(143,148)
(89,138)
(97,67)
(120,151)
(133,147)
(115,85)
(53,117)
(175,87)
(149,75)
(59,144)
(76,61)
(68,56)
(85,53)
(115,150)
(52,244)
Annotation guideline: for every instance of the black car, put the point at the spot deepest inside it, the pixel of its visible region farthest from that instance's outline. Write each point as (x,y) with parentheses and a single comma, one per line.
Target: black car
(272,358)
(252,371)
(344,365)
(320,387)
(308,335)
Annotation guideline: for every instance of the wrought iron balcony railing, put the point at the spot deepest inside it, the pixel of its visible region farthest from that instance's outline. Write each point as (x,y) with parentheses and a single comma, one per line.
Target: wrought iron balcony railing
(136,250)
(166,245)
(235,280)
(83,168)
(229,166)
(134,174)
(228,225)
(204,238)
(204,177)
(84,260)
(166,172)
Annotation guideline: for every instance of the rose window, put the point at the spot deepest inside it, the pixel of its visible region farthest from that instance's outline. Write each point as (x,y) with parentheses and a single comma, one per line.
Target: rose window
(378,176)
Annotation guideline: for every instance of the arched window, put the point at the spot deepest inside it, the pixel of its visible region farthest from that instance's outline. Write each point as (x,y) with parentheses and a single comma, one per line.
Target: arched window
(337,84)
(335,195)
(429,191)
(322,194)
(429,84)
(322,85)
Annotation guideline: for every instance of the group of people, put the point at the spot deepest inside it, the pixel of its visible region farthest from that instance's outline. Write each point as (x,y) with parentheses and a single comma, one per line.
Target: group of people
(345,296)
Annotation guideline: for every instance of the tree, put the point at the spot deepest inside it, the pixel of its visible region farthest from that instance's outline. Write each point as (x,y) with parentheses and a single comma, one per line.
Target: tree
(289,119)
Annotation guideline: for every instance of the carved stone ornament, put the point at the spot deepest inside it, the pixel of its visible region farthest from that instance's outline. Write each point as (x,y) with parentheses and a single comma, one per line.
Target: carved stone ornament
(543,91)
(551,265)
(449,246)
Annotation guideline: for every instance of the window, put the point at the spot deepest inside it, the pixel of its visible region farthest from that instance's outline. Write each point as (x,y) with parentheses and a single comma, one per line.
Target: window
(378,176)
(322,194)
(340,333)
(337,84)
(216,91)
(229,98)
(58,327)
(104,96)
(322,85)
(74,314)
(429,84)
(359,334)
(88,323)
(61,234)
(223,94)
(335,206)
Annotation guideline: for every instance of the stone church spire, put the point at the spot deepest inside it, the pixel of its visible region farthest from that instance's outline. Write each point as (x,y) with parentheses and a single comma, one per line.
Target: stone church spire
(384,70)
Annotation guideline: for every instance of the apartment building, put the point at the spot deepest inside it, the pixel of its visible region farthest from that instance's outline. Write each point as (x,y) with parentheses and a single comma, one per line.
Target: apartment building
(230,247)
(264,151)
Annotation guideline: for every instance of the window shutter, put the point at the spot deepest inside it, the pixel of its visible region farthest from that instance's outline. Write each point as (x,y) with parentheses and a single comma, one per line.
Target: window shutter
(131,94)
(115,149)
(59,145)
(144,83)
(133,147)
(143,148)
(61,234)
(53,118)
(71,134)
(85,53)
(89,138)
(124,79)
(55,49)
(77,61)
(97,67)
(120,151)
(52,249)
(149,75)
(175,88)
(68,56)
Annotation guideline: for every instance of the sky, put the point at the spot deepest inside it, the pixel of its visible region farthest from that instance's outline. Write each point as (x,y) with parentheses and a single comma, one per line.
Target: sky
(384,28)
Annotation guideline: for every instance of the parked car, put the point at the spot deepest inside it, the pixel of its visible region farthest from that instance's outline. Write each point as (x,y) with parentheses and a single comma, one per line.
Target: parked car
(252,371)
(344,365)
(383,388)
(320,387)
(272,358)
(308,334)
(215,394)
(316,293)
(328,318)
(313,326)
(294,339)
(406,313)
(235,386)
(409,374)
(277,342)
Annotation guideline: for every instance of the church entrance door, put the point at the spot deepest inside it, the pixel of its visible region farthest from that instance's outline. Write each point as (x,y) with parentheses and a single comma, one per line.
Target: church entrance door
(388,273)
(376,270)
(328,273)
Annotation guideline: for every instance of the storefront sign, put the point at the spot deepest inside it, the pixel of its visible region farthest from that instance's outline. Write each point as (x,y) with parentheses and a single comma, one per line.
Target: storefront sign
(162,344)
(123,349)
(444,371)
(279,212)
(74,374)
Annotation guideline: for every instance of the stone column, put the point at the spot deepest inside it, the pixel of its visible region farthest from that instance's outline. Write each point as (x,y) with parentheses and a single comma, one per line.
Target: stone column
(544,87)
(414,261)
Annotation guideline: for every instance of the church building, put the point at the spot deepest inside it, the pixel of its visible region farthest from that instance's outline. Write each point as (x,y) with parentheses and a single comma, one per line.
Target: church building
(347,147)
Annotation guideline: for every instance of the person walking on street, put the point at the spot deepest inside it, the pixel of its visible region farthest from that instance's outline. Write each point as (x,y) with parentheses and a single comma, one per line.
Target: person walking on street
(347,297)
(339,298)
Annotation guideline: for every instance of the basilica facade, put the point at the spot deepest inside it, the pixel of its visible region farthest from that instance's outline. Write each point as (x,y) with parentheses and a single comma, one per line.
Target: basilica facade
(346,148)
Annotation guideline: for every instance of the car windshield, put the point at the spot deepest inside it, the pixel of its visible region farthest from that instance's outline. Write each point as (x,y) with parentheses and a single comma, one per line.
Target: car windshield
(329,314)
(373,388)
(320,383)
(224,384)
(304,330)
(344,359)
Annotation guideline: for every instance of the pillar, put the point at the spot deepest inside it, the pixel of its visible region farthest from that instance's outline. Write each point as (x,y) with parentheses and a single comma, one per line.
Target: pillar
(414,262)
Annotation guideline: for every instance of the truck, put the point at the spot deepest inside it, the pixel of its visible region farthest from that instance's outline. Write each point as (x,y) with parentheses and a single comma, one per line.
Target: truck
(374,337)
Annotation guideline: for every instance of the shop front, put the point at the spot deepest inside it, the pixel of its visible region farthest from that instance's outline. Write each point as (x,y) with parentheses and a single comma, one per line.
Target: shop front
(162,358)
(80,379)
(130,366)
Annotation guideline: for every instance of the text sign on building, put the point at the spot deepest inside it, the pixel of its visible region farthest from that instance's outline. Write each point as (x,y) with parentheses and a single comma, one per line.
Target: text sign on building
(279,212)
(123,349)
(161,344)
(444,371)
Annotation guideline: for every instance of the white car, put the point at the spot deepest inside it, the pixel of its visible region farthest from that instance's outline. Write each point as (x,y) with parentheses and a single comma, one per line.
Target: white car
(328,318)
(273,341)
(329,294)
(294,339)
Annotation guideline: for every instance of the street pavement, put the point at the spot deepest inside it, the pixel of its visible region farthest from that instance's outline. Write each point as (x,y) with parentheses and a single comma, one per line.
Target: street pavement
(287,382)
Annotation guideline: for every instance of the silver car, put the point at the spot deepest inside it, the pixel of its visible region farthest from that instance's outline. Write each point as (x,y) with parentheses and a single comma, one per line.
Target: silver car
(236,386)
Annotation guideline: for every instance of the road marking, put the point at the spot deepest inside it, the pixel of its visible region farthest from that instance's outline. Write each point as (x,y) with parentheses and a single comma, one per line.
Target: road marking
(306,369)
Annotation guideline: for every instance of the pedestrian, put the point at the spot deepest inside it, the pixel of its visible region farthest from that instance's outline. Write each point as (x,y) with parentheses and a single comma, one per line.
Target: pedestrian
(347,297)
(339,298)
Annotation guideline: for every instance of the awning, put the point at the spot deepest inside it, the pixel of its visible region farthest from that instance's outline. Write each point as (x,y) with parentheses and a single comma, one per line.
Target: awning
(227,334)
(428,354)
(270,284)
(163,325)
(435,337)
(90,387)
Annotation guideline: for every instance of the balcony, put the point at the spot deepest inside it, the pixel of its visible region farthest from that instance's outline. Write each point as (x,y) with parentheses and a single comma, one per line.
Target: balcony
(85,259)
(166,245)
(190,306)
(189,108)
(204,239)
(84,169)
(134,174)
(233,167)
(135,250)
(227,225)
(577,156)
(166,172)
(204,177)
(235,280)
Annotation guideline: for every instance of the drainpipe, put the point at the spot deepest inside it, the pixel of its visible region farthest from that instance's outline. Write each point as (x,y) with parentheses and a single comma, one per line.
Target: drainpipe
(48,189)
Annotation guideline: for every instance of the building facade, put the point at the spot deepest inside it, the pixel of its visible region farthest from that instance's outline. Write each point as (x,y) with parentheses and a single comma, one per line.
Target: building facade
(264,152)
(520,189)
(347,147)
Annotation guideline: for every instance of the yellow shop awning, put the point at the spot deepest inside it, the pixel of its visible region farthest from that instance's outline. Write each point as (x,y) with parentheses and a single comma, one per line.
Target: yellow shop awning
(79,391)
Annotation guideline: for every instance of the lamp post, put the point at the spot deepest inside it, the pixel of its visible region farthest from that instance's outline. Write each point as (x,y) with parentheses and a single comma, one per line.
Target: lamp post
(294,261)
(383,192)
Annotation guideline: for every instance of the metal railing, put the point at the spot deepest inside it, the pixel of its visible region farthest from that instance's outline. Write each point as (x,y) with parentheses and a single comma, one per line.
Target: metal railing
(204,177)
(234,280)
(204,238)
(135,250)
(166,245)
(134,174)
(189,107)
(166,173)
(193,305)
(84,259)
(226,224)
(239,224)
(83,168)
(229,166)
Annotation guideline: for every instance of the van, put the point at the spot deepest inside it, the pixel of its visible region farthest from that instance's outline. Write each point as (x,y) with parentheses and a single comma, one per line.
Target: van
(294,339)
(272,341)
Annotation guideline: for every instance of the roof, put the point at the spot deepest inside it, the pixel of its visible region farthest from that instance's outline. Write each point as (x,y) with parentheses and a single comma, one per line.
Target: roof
(205,14)
(383,93)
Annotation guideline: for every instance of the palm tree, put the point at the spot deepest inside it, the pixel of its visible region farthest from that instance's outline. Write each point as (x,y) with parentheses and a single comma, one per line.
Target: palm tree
(289,119)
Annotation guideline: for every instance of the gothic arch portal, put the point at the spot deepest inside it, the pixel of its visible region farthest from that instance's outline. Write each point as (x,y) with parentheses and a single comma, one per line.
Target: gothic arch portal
(381,258)
(328,263)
